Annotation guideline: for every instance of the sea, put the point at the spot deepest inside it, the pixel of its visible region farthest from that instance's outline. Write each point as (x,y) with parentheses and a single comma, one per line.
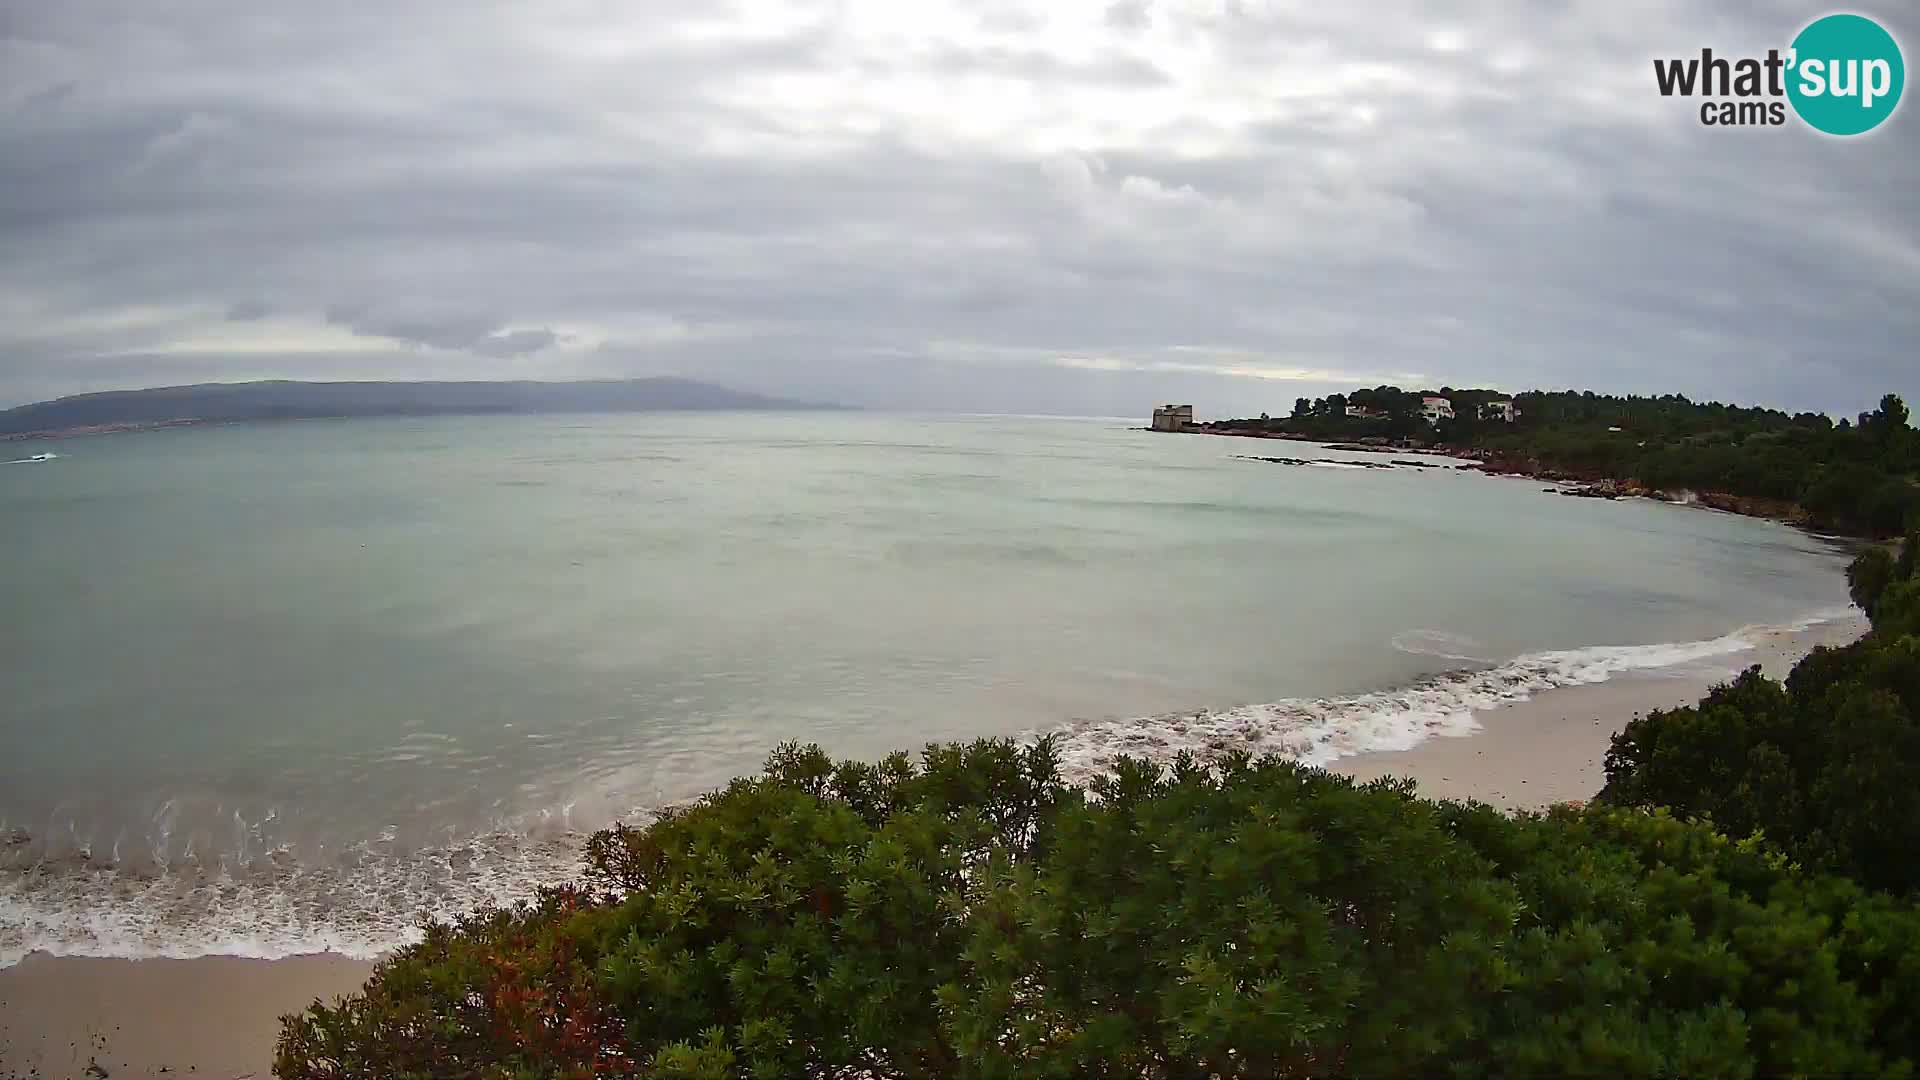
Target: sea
(283,688)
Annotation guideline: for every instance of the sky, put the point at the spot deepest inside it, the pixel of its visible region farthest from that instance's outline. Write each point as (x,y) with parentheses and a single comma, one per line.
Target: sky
(1068,206)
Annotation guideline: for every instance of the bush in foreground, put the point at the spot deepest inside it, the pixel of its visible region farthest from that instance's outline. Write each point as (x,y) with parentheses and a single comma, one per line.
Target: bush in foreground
(1823,765)
(973,916)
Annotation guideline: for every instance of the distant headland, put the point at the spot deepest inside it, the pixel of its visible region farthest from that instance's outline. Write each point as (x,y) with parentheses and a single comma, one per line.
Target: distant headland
(1859,476)
(168,406)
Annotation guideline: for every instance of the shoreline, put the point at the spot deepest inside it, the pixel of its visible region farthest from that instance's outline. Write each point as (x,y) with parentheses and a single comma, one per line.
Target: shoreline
(217,1016)
(1551,748)
(1579,484)
(84,430)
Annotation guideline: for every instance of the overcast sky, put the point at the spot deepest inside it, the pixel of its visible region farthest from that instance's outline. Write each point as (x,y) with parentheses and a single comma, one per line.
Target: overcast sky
(1045,206)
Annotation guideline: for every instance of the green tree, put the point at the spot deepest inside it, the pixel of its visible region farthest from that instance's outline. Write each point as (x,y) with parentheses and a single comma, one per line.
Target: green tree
(1868,577)
(1823,765)
(973,916)
(1892,413)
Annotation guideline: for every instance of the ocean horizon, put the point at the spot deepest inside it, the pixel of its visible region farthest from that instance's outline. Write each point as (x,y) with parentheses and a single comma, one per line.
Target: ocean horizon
(500,633)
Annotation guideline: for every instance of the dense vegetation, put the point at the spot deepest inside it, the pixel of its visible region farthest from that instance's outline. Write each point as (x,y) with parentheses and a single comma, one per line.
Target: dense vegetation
(1855,476)
(1825,765)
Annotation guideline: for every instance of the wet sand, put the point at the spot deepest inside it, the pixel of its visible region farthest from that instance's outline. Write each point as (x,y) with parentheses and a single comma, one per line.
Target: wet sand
(1531,755)
(1552,748)
(214,1017)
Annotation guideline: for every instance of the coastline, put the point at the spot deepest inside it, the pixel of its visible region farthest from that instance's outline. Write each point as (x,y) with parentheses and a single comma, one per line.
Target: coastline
(1551,748)
(217,1016)
(1576,483)
(83,430)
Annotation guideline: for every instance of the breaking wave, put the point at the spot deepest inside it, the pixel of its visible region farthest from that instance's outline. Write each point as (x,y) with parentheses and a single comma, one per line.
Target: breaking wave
(1441,643)
(1319,731)
(360,907)
(371,901)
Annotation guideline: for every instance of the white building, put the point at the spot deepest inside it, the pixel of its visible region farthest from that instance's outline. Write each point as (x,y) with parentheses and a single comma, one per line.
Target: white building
(1498,410)
(1436,409)
(1361,412)
(1173,418)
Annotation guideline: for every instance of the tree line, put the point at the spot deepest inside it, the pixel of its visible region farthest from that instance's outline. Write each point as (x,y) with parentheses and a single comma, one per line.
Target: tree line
(1858,476)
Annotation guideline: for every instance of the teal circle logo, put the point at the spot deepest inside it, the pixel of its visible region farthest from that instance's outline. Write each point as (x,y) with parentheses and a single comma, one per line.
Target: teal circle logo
(1845,74)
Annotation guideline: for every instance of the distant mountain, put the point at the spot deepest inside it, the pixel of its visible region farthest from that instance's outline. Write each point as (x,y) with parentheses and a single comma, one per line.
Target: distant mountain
(285,400)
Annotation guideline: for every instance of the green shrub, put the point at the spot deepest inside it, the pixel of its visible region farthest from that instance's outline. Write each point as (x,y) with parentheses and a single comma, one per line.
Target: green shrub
(972,915)
(1868,577)
(1823,766)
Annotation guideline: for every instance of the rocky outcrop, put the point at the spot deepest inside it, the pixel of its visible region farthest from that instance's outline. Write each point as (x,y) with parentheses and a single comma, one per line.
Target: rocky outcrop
(1315,461)
(1608,489)
(1745,505)
(1580,484)
(1754,506)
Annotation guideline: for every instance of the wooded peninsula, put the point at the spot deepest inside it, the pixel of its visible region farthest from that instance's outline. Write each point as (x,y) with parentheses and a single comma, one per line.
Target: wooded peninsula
(1858,476)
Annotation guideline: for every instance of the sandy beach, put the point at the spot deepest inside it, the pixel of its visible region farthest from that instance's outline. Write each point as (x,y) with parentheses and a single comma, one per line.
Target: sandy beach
(217,1016)
(214,1017)
(1552,748)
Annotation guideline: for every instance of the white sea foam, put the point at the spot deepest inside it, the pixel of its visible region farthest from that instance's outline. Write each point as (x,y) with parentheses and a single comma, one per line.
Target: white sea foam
(361,906)
(1441,643)
(1319,731)
(370,901)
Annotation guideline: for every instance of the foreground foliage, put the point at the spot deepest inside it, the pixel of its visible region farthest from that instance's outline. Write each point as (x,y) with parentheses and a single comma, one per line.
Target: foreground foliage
(1823,765)
(971,915)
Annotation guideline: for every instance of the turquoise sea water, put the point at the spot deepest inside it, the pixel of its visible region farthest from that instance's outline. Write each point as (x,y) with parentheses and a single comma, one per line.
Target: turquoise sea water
(274,688)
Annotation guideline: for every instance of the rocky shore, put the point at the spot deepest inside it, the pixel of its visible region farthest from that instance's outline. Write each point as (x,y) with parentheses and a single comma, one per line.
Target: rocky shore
(96,429)
(1573,483)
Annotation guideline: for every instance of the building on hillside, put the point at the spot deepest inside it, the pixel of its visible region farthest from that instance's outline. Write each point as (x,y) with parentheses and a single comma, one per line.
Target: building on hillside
(1173,418)
(1361,412)
(1436,409)
(1499,410)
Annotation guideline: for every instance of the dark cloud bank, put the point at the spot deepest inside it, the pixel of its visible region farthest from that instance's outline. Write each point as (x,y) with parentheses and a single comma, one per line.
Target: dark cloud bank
(1056,207)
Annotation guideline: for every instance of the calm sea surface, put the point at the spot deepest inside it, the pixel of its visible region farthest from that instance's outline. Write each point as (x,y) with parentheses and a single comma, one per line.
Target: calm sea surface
(274,688)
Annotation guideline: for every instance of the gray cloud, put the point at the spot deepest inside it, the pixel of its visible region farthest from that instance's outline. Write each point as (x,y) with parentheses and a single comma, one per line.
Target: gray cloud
(453,332)
(1031,66)
(505,343)
(1062,207)
(1127,14)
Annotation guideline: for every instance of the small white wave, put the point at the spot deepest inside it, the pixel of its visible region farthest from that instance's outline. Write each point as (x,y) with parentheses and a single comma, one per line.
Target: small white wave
(1318,731)
(360,907)
(1441,643)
